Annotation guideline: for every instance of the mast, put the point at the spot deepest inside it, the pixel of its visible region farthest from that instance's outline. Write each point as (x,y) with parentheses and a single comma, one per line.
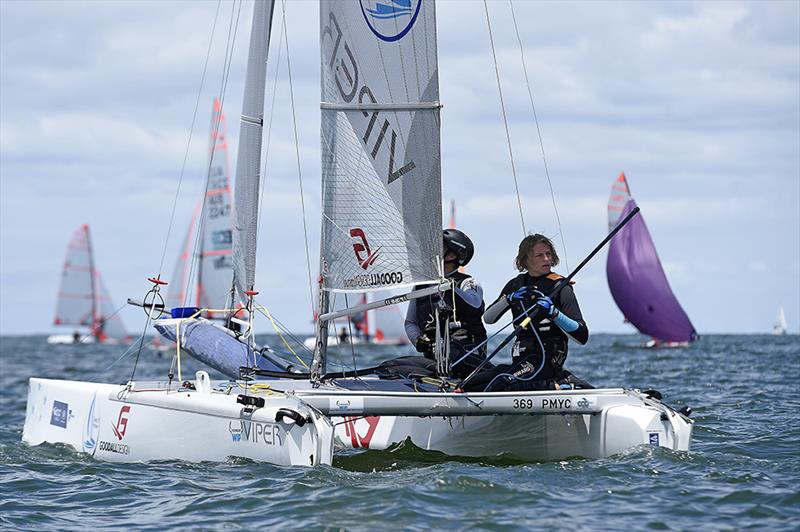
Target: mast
(248,162)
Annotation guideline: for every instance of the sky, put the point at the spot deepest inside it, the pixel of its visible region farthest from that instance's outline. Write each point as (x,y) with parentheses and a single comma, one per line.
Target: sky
(105,109)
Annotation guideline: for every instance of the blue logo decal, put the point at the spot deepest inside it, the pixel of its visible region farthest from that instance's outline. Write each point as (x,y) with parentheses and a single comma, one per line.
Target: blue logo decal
(654,438)
(390,20)
(92,429)
(236,433)
(58,416)
(583,403)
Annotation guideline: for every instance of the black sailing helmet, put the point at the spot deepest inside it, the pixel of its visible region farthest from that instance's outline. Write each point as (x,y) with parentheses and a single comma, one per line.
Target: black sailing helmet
(460,244)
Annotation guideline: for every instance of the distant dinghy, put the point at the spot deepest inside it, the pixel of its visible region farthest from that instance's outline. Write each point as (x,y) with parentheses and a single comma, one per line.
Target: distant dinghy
(83,300)
(637,281)
(779,329)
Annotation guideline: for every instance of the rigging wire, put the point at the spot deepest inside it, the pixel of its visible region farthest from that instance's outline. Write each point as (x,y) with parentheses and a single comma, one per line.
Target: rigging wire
(297,152)
(267,144)
(539,132)
(180,181)
(189,142)
(505,119)
(195,259)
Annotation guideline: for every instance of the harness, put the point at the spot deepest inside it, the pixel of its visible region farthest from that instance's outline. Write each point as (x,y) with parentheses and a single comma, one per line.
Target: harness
(554,340)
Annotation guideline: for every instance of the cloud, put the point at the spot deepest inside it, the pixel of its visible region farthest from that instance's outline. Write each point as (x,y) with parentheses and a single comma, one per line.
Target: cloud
(696,102)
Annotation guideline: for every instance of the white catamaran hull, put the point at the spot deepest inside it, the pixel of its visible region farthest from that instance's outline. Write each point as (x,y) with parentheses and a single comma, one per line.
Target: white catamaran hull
(535,426)
(150,422)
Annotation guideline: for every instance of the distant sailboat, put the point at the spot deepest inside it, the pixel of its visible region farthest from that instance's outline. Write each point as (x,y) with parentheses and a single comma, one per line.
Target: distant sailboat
(780,328)
(637,281)
(381,326)
(208,241)
(83,300)
(209,253)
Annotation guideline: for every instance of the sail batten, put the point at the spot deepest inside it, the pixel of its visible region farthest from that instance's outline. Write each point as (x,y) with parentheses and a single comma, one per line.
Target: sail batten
(381,177)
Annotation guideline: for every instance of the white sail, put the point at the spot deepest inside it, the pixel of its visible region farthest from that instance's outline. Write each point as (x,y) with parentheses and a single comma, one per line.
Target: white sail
(215,265)
(248,161)
(177,292)
(381,178)
(83,299)
(620,194)
(780,323)
(108,325)
(76,296)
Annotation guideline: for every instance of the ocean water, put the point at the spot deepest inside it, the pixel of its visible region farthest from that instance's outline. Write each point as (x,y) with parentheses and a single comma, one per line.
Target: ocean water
(743,471)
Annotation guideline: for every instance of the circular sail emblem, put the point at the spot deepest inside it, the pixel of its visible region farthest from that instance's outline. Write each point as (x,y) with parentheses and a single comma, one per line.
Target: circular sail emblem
(390,20)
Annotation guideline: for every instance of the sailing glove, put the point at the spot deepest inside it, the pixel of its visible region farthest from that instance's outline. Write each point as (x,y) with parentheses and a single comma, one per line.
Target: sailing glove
(519,294)
(545,307)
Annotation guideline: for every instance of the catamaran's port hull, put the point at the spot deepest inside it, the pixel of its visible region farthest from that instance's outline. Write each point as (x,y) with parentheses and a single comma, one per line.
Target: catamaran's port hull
(150,422)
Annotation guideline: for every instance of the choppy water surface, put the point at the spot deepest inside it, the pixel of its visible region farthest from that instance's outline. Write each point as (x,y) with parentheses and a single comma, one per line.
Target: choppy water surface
(743,471)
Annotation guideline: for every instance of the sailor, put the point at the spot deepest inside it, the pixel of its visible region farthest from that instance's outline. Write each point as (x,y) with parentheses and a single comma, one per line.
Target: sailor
(460,310)
(343,336)
(555,322)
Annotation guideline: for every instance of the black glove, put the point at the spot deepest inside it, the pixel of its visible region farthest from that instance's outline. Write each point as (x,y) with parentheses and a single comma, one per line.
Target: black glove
(424,344)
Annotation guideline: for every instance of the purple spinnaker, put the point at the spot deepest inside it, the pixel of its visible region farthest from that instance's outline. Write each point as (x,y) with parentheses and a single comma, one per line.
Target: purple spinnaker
(639,285)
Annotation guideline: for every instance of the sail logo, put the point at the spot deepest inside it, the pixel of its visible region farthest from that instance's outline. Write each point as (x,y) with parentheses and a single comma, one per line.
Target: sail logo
(390,20)
(122,422)
(255,432)
(364,256)
(380,137)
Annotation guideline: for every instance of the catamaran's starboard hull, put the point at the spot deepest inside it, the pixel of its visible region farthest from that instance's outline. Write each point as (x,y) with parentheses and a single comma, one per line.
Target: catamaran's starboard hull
(114,424)
(547,425)
(533,437)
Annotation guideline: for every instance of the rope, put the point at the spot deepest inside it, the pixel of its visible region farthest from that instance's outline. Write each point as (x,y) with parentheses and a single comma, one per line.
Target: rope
(266,312)
(505,119)
(539,132)
(297,152)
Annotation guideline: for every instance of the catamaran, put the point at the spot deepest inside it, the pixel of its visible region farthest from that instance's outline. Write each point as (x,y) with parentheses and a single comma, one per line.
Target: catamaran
(381,229)
(637,281)
(83,299)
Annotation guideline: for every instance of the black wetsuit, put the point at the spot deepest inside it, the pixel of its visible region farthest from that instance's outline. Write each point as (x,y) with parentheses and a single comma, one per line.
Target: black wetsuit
(530,371)
(466,325)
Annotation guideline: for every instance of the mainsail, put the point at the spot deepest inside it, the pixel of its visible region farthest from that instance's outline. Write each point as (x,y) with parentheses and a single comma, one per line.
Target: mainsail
(381,178)
(83,299)
(636,279)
